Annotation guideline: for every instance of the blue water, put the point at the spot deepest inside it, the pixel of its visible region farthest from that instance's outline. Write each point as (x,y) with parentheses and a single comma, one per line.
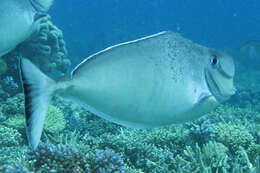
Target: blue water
(227,139)
(90,26)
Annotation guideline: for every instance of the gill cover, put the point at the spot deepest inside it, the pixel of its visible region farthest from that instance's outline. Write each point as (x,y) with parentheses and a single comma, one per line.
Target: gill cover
(219,75)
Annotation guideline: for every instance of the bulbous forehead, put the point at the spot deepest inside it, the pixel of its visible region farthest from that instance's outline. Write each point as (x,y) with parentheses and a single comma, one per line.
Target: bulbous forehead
(227,65)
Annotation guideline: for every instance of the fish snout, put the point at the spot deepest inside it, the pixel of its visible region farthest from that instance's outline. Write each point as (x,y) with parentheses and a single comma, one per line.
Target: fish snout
(219,74)
(221,86)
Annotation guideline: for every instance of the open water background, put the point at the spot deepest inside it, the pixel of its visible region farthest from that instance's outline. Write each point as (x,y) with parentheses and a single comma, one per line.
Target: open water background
(90,26)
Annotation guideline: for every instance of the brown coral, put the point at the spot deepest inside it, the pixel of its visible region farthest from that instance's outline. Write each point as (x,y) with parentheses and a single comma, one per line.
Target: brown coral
(46,48)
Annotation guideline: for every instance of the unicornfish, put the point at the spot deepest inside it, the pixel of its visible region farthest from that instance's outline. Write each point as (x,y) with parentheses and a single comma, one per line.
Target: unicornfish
(149,82)
(250,53)
(19,19)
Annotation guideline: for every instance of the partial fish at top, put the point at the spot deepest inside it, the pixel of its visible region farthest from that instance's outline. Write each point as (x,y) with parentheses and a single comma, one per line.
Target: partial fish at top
(153,81)
(19,19)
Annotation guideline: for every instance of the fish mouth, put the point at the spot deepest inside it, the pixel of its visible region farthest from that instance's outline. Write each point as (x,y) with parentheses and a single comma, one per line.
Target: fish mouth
(217,89)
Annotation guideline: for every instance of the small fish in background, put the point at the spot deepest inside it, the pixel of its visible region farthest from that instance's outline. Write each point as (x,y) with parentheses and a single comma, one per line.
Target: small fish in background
(19,19)
(149,82)
(250,53)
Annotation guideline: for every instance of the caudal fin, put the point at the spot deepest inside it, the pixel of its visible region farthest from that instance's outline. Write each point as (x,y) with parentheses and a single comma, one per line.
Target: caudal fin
(38,89)
(42,5)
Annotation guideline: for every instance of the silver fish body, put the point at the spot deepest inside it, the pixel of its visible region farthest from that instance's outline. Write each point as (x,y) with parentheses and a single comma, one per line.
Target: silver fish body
(149,82)
(154,81)
(17,22)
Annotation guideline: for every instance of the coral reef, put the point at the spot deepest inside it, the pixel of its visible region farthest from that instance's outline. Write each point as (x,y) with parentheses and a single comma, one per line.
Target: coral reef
(74,140)
(10,81)
(9,86)
(9,137)
(3,67)
(233,136)
(138,150)
(15,168)
(13,114)
(50,158)
(81,120)
(200,130)
(245,98)
(13,156)
(229,147)
(106,161)
(211,158)
(46,48)
(11,148)
(225,140)
(13,106)
(54,121)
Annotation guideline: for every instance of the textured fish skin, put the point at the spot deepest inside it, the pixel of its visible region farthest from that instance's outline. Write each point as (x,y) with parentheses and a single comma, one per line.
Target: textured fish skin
(153,81)
(16,22)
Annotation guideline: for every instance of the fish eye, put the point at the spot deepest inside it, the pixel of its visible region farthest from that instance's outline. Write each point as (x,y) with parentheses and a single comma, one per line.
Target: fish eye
(214,60)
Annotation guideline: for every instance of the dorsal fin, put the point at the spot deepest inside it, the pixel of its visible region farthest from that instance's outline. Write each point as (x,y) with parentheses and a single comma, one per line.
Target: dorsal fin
(88,59)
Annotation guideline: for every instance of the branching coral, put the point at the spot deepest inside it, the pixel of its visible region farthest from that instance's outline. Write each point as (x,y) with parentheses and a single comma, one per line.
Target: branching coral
(3,66)
(9,85)
(11,149)
(233,136)
(14,156)
(50,158)
(211,158)
(200,130)
(215,155)
(76,116)
(81,120)
(107,161)
(136,151)
(154,150)
(172,137)
(227,140)
(13,106)
(242,162)
(13,110)
(254,152)
(54,121)
(16,168)
(16,121)
(9,137)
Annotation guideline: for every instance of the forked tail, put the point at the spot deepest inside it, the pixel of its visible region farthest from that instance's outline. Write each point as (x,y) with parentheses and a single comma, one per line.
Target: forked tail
(38,89)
